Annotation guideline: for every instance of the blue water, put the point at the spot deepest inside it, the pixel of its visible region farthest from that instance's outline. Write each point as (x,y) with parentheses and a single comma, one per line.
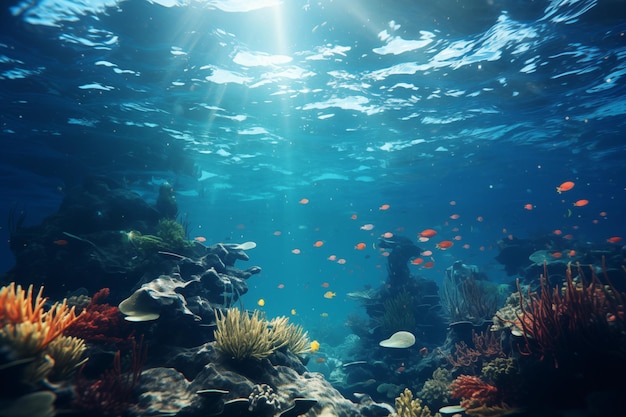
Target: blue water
(247,107)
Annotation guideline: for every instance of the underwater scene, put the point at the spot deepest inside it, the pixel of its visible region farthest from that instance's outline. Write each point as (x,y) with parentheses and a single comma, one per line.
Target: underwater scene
(337,208)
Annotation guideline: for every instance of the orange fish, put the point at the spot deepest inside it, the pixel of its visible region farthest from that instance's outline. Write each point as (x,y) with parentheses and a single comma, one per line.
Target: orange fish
(318,244)
(384,207)
(428,233)
(325,284)
(566,186)
(455,216)
(332,257)
(427,253)
(329,294)
(614,239)
(557,255)
(444,244)
(304,201)
(200,239)
(60,242)
(429,264)
(387,235)
(417,261)
(528,206)
(557,232)
(296,251)
(571,253)
(360,246)
(581,203)
(354,217)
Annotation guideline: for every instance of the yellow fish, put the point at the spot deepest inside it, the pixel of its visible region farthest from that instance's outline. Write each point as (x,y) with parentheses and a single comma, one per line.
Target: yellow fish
(293,311)
(324,314)
(329,294)
(261,302)
(315,346)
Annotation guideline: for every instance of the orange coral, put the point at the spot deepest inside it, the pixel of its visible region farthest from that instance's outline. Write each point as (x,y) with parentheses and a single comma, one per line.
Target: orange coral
(18,305)
(21,316)
(473,391)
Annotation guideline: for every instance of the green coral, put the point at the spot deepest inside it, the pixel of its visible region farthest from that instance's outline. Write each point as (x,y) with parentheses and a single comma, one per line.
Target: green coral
(436,390)
(406,406)
(243,336)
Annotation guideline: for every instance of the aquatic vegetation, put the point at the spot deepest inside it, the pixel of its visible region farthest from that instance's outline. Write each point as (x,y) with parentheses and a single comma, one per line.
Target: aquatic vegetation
(406,406)
(399,313)
(113,392)
(486,347)
(243,336)
(582,319)
(469,299)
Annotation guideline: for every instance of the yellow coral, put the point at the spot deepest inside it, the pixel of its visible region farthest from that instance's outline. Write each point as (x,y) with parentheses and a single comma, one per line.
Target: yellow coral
(240,335)
(406,406)
(67,352)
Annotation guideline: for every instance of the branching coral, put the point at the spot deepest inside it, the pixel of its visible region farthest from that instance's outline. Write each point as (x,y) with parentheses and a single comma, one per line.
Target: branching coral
(474,392)
(242,336)
(29,332)
(436,390)
(406,406)
(582,319)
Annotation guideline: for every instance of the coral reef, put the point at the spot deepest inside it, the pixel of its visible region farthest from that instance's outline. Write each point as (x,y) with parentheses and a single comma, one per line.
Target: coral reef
(436,391)
(406,406)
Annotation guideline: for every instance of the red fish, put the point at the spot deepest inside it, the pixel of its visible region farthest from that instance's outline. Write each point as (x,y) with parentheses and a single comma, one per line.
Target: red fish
(566,186)
(428,233)
(444,244)
(581,203)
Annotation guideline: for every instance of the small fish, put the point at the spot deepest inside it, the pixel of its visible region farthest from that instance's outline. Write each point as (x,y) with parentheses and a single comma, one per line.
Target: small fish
(200,239)
(428,265)
(324,315)
(261,302)
(60,242)
(304,201)
(581,203)
(277,233)
(325,285)
(417,261)
(424,351)
(296,251)
(528,206)
(566,186)
(315,346)
(455,216)
(427,253)
(557,255)
(428,233)
(332,258)
(480,219)
(320,360)
(354,217)
(387,235)
(444,244)
(293,312)
(281,286)
(400,369)
(614,239)
(368,226)
(318,244)
(360,246)
(341,261)
(384,207)
(329,294)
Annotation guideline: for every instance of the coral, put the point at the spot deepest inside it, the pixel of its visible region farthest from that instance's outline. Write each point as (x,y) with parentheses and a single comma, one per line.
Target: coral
(398,313)
(113,392)
(576,322)
(263,401)
(498,370)
(18,306)
(473,391)
(241,336)
(100,322)
(67,353)
(406,406)
(469,299)
(486,346)
(508,313)
(436,389)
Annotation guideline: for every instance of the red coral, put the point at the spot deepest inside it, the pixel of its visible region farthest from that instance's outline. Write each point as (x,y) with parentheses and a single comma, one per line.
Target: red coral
(473,391)
(100,322)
